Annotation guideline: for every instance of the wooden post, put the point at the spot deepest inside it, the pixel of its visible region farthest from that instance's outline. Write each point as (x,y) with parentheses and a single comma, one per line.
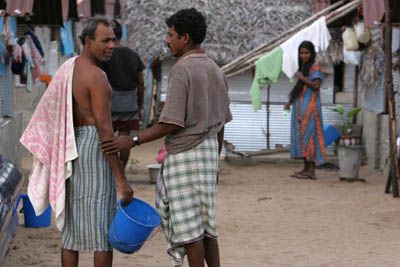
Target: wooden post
(268,115)
(390,100)
(355,91)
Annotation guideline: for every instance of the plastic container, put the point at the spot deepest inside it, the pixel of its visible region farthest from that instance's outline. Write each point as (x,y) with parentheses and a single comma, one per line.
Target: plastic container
(132,225)
(154,170)
(331,134)
(362,32)
(31,220)
(350,41)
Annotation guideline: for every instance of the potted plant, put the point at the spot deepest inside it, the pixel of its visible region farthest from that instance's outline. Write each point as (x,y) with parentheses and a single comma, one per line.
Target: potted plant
(349,148)
(350,133)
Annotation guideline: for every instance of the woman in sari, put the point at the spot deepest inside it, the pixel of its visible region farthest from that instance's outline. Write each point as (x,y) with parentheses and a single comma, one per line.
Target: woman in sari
(306,134)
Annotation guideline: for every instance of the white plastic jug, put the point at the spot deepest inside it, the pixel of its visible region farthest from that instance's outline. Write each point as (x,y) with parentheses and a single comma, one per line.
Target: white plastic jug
(362,32)
(350,41)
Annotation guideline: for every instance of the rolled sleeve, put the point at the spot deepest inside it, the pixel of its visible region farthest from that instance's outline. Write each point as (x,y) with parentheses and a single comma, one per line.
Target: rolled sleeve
(175,108)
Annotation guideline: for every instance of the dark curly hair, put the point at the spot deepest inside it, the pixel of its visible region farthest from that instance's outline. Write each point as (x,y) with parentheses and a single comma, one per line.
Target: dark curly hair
(117,28)
(189,21)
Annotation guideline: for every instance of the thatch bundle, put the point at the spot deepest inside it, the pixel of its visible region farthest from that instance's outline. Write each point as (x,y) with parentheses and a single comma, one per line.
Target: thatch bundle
(372,67)
(334,53)
(234,26)
(373,63)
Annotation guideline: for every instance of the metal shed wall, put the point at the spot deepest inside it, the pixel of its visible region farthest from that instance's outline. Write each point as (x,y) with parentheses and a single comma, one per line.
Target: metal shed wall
(247,130)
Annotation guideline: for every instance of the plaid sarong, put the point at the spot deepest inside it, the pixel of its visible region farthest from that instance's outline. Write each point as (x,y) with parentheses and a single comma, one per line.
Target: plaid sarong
(186,196)
(90,196)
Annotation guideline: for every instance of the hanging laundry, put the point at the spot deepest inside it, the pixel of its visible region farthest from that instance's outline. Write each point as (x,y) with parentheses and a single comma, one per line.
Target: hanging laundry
(67,43)
(13,25)
(47,12)
(2,47)
(69,9)
(29,66)
(3,58)
(84,9)
(3,4)
(73,10)
(117,9)
(36,58)
(110,8)
(268,70)
(123,11)
(19,7)
(7,33)
(97,7)
(317,33)
(65,9)
(124,37)
(19,61)
(373,11)
(36,41)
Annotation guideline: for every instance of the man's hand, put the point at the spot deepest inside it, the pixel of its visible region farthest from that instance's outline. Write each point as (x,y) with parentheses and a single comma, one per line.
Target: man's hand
(125,191)
(117,144)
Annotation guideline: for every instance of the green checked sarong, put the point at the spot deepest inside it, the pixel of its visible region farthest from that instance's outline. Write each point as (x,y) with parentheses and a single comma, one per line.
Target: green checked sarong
(186,195)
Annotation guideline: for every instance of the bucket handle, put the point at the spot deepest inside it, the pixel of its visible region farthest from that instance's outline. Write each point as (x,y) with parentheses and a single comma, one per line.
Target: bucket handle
(153,234)
(21,196)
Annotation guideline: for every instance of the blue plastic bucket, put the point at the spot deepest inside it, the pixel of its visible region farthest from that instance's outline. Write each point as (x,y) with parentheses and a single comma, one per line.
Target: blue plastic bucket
(331,134)
(132,225)
(31,220)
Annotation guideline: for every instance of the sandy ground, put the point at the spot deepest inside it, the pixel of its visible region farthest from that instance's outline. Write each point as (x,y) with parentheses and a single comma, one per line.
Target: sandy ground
(264,218)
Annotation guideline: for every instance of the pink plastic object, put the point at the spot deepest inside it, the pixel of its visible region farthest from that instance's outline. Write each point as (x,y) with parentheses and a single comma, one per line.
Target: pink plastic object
(162,153)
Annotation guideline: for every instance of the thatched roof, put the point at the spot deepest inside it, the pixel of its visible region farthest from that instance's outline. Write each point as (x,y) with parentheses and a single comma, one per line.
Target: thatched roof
(234,26)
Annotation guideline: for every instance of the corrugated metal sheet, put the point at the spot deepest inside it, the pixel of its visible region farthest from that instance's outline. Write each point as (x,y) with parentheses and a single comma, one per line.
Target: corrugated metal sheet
(239,87)
(374,99)
(396,89)
(2,89)
(396,40)
(7,92)
(247,130)
(348,79)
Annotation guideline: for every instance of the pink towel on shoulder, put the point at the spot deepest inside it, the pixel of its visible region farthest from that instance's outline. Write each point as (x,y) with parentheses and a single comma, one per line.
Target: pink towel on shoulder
(50,138)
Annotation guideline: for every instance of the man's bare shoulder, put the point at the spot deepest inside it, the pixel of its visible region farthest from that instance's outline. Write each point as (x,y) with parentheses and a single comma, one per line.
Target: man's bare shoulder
(91,75)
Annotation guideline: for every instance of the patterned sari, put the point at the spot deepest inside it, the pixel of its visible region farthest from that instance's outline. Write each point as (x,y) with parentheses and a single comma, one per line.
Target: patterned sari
(306,132)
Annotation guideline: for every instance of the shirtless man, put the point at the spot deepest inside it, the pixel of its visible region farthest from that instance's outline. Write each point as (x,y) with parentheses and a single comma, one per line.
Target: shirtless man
(90,191)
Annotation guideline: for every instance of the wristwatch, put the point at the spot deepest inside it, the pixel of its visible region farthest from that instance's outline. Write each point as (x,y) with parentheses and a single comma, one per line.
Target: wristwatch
(136,140)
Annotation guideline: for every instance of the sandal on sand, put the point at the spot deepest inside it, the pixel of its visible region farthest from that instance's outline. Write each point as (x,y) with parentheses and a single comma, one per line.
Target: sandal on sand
(296,174)
(306,175)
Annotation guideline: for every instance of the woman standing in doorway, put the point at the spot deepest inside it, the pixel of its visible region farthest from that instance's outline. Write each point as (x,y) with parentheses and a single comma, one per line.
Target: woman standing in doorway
(306,134)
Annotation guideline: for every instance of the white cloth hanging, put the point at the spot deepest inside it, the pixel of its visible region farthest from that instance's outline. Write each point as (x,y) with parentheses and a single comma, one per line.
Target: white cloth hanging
(317,33)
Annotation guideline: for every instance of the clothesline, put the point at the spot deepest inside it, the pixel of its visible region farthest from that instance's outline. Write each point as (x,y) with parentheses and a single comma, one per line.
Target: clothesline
(284,58)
